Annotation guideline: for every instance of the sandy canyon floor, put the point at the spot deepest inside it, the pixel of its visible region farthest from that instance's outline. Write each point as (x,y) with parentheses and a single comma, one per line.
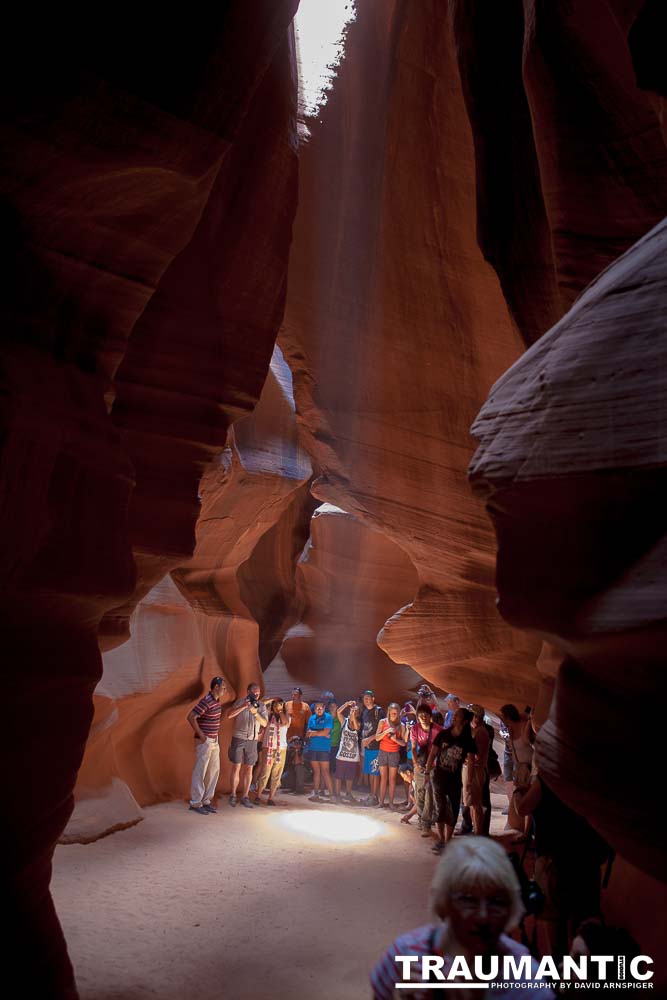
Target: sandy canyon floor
(282,903)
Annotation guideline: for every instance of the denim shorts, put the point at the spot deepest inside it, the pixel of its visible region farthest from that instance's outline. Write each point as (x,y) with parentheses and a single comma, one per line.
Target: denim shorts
(317,756)
(389,758)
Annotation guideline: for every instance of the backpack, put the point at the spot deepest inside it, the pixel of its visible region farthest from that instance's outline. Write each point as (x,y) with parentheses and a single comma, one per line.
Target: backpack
(493,767)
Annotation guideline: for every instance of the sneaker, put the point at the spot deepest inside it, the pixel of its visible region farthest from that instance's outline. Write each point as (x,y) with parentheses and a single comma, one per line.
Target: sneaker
(245,801)
(372,800)
(232,800)
(199,809)
(209,807)
(314,797)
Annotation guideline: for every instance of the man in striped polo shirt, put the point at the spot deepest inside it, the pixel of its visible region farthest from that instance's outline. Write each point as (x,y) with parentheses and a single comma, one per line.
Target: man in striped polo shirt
(205,720)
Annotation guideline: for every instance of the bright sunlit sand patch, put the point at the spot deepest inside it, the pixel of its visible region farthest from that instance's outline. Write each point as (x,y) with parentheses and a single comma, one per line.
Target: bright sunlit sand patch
(343,828)
(320,36)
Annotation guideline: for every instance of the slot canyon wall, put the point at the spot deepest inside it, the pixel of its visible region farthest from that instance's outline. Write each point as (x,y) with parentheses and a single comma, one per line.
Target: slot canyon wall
(163,459)
(132,336)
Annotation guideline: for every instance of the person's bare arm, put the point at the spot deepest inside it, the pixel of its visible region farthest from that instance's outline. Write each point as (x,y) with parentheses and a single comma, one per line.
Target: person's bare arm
(285,718)
(527,803)
(263,721)
(377,735)
(194,722)
(235,710)
(399,736)
(431,757)
(408,816)
(339,713)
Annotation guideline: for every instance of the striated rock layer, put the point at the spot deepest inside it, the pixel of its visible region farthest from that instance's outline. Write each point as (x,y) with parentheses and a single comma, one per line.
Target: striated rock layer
(570,157)
(120,148)
(573,464)
(225,611)
(349,579)
(386,330)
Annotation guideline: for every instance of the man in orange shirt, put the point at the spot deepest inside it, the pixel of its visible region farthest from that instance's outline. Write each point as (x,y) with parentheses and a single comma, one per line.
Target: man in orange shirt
(300,713)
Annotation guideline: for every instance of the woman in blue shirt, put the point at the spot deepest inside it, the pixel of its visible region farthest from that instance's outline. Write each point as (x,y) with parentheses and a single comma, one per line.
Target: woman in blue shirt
(318,747)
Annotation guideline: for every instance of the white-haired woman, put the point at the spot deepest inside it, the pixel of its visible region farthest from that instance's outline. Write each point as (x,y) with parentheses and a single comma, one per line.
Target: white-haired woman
(475,900)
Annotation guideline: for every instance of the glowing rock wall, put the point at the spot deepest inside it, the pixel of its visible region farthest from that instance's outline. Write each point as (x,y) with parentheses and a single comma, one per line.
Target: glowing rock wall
(122,152)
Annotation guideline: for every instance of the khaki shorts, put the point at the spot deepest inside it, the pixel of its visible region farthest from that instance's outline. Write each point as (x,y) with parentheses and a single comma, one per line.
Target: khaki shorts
(473,785)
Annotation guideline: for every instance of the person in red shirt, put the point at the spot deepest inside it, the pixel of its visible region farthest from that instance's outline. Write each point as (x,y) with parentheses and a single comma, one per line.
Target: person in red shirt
(205,721)
(422,735)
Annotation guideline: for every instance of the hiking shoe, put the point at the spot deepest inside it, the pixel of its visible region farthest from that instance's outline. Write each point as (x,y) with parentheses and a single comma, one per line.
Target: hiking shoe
(232,800)
(199,809)
(209,807)
(245,801)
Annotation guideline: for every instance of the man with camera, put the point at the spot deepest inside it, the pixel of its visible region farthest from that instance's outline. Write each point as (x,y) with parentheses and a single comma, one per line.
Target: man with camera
(251,716)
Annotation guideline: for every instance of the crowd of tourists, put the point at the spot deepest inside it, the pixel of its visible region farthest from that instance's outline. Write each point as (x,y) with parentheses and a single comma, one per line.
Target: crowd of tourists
(431,761)
(415,758)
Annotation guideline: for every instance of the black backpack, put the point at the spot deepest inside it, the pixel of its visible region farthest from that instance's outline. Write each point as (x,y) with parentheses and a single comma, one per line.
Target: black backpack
(493,767)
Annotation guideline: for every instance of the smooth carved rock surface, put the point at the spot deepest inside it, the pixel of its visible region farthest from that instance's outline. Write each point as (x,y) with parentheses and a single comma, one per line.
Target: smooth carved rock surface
(386,329)
(225,611)
(570,156)
(349,579)
(113,150)
(200,352)
(573,464)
